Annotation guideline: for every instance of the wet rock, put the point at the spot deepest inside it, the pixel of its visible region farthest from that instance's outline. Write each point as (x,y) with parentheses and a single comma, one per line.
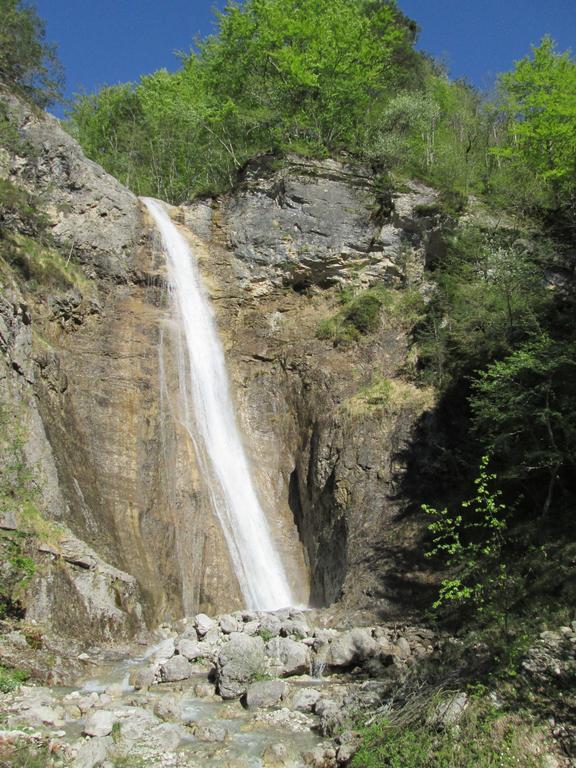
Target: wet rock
(240,661)
(287,657)
(175,669)
(142,678)
(275,756)
(168,708)
(205,690)
(266,693)
(99,723)
(209,732)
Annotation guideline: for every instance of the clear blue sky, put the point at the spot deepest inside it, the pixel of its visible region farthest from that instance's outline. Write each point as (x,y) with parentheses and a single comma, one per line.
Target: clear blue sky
(110,41)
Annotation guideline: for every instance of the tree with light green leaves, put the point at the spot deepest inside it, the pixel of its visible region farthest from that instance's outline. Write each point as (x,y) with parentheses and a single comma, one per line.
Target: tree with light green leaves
(539,100)
(28,65)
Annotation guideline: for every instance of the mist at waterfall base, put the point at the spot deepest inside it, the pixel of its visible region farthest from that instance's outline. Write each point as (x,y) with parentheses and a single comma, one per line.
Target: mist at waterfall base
(254,557)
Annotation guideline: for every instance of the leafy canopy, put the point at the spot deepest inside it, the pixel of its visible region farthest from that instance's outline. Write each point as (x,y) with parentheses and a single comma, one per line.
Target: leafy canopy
(28,65)
(539,99)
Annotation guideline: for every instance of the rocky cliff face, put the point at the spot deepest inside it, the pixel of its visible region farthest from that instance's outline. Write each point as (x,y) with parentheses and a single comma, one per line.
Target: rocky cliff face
(277,253)
(90,362)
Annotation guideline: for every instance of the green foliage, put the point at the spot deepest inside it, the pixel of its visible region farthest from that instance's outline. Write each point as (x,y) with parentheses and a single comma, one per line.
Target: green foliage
(10,679)
(19,210)
(483,738)
(265,634)
(279,75)
(363,311)
(524,411)
(471,545)
(491,296)
(538,100)
(359,316)
(28,65)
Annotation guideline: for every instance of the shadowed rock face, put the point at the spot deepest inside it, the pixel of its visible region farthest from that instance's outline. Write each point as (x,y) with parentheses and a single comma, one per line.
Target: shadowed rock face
(96,367)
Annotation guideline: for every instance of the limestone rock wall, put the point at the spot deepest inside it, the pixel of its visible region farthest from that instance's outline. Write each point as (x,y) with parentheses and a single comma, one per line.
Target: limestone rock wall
(95,369)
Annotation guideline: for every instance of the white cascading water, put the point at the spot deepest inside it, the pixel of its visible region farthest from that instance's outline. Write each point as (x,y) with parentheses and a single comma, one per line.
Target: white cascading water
(256,562)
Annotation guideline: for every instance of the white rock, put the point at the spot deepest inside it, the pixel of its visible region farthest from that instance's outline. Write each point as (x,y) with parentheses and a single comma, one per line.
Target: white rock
(99,723)
(203,624)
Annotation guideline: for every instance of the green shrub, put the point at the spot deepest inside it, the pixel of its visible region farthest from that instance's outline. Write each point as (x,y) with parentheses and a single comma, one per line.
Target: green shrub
(363,312)
(483,738)
(10,679)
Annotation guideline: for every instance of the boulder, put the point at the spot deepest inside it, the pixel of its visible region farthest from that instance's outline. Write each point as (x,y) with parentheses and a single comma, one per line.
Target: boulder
(229,624)
(142,678)
(175,669)
(270,625)
(287,657)
(352,647)
(275,756)
(266,693)
(304,700)
(204,624)
(92,752)
(98,723)
(192,650)
(168,708)
(241,660)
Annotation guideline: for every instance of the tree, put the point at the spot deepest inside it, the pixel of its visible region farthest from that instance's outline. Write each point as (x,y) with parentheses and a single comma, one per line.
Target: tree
(471,544)
(28,65)
(314,67)
(524,410)
(539,100)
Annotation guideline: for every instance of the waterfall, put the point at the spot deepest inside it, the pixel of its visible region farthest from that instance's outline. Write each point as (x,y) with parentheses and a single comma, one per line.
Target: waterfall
(256,562)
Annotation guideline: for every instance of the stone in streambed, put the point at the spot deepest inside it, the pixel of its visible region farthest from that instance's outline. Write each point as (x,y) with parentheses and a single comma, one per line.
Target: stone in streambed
(99,723)
(175,669)
(288,657)
(266,693)
(142,678)
(240,661)
(304,700)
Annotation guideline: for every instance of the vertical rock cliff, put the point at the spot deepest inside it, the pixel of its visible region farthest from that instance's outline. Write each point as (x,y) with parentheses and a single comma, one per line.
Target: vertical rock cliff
(90,363)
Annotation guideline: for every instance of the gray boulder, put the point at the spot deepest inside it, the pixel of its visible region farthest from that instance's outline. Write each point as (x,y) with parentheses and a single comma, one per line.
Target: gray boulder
(192,650)
(204,624)
(352,647)
(92,752)
(175,669)
(287,657)
(266,693)
(142,678)
(98,723)
(304,700)
(241,660)
(229,624)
